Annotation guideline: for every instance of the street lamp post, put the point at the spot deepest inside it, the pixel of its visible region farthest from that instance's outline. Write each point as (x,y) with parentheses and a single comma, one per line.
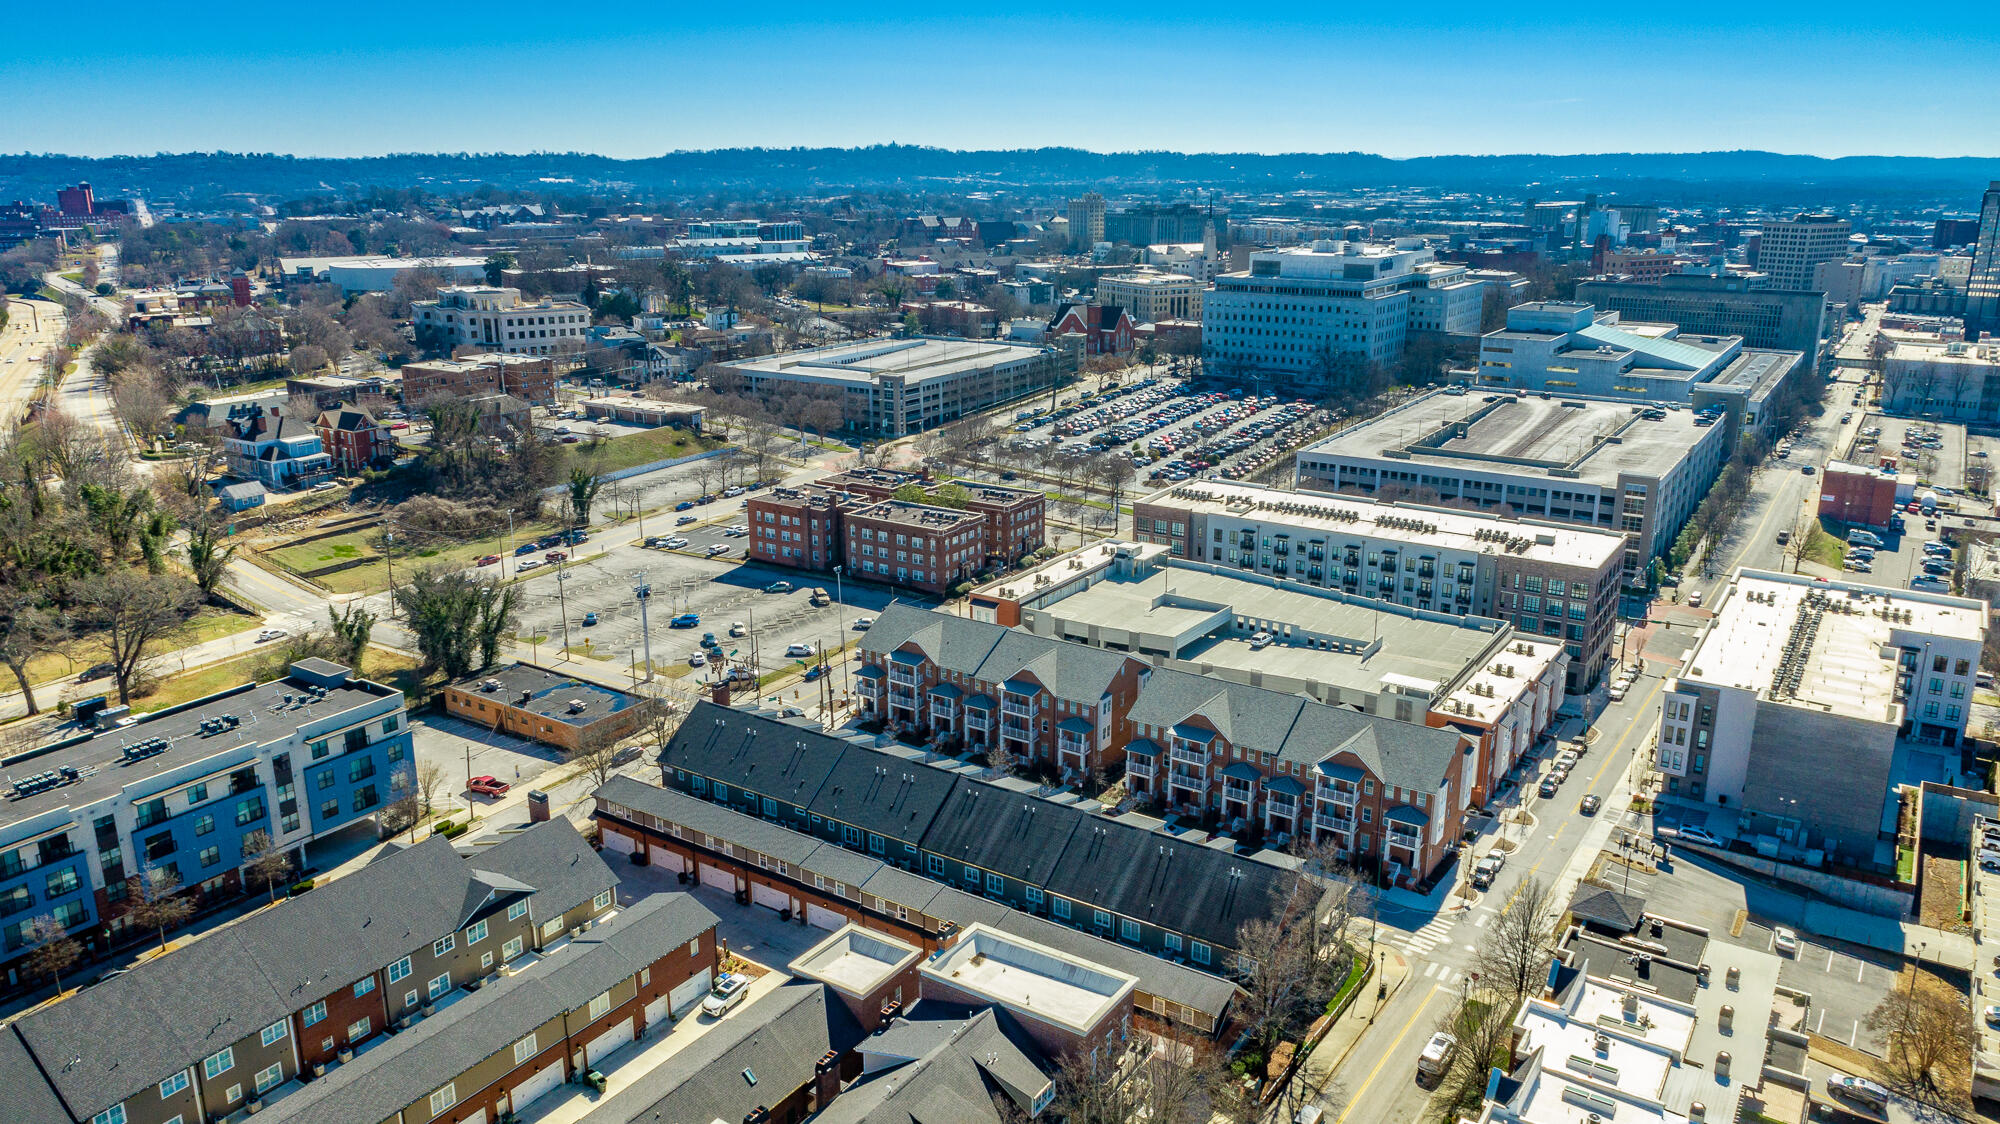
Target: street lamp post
(644,592)
(562,579)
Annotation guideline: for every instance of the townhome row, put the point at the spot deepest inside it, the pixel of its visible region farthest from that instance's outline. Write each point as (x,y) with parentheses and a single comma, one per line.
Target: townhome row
(1268,752)
(192,791)
(221,1025)
(1160,893)
(827,885)
(1550,580)
(849,523)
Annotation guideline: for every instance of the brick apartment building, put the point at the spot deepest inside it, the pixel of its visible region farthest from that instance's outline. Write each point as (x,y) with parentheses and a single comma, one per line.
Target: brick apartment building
(354,439)
(530,378)
(547,706)
(850,520)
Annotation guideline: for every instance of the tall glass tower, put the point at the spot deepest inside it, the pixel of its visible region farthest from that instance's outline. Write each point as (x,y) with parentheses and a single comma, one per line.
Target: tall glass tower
(1982,293)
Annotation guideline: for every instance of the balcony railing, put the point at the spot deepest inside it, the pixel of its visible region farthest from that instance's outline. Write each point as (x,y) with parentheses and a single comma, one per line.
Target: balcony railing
(1280,804)
(943,711)
(868,688)
(978,720)
(1238,791)
(1333,823)
(1139,767)
(1187,779)
(1408,842)
(1016,730)
(1189,755)
(1343,797)
(902,696)
(901,674)
(1071,743)
(1017,709)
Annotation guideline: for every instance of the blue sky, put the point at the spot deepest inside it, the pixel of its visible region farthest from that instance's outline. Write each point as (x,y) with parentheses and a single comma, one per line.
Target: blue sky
(632,79)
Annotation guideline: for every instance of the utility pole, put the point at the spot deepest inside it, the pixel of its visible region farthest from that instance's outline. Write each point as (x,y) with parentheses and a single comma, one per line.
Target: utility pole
(644,592)
(471,805)
(389,555)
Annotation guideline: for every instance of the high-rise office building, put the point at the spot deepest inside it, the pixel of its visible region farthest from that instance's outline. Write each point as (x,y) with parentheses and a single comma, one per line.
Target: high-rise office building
(1982,291)
(1086,220)
(1790,248)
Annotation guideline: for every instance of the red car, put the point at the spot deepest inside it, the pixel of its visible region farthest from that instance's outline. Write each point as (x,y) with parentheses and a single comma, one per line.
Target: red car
(490,560)
(491,786)
(555,556)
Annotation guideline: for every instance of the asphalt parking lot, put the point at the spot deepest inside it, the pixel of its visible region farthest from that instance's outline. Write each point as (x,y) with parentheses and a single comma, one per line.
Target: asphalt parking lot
(719,591)
(446,741)
(1845,981)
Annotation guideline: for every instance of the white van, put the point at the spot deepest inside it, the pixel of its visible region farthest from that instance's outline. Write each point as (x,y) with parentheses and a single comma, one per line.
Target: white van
(1858,537)
(1436,1056)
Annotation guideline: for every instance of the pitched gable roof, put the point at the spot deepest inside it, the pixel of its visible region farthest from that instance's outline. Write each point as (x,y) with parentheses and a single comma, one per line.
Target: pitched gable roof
(991,653)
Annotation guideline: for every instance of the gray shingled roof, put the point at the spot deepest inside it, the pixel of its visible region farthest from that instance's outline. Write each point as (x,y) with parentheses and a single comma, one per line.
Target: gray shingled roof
(993,654)
(892,798)
(1300,730)
(962,1063)
(243,977)
(770,758)
(554,859)
(28,1095)
(779,1037)
(996,829)
(1200,891)
(407,1067)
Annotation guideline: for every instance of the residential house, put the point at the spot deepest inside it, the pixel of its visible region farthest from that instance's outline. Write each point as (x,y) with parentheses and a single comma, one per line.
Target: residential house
(282,453)
(354,439)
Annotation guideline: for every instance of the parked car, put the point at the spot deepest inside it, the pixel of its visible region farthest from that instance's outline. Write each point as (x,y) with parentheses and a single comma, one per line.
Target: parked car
(525,548)
(736,628)
(96,671)
(1548,787)
(1590,805)
(798,648)
(727,992)
(589,619)
(1431,1064)
(1857,1089)
(863,624)
(778,587)
(685,620)
(697,660)
(674,542)
(709,641)
(1785,941)
(524,567)
(556,556)
(489,786)
(1483,874)
(717,548)
(1698,835)
(271,634)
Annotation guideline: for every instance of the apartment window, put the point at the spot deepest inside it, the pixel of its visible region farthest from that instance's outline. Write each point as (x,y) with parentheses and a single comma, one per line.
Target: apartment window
(475,933)
(1100,918)
(203,824)
(1034,895)
(599,1006)
(934,864)
(232,1094)
(444,1098)
(315,1013)
(440,985)
(397,971)
(358,1029)
(602,900)
(391,724)
(219,1063)
(511,949)
(1062,909)
(319,749)
(210,856)
(1198,952)
(524,1049)
(364,986)
(443,945)
(175,1084)
(273,1033)
(1128,930)
(65,881)
(1171,941)
(518,910)
(270,1075)
(113,1115)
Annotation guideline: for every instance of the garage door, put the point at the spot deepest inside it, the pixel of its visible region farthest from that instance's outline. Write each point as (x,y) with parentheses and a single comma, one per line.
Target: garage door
(823,918)
(619,842)
(682,999)
(478,1117)
(668,860)
(537,1084)
(610,1040)
(771,896)
(720,879)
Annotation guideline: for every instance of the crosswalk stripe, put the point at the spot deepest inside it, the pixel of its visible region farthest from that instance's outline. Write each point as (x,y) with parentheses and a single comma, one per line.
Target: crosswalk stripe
(1431,970)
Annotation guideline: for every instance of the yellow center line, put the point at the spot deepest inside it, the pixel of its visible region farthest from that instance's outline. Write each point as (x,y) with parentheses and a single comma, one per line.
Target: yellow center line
(1386,1055)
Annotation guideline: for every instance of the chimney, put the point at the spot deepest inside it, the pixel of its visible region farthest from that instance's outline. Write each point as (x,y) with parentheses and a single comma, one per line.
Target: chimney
(826,1080)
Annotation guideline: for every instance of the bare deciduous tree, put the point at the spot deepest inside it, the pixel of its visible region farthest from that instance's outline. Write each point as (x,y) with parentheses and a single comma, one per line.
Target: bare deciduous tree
(158,903)
(1929,1029)
(265,861)
(130,612)
(430,782)
(54,951)
(1514,954)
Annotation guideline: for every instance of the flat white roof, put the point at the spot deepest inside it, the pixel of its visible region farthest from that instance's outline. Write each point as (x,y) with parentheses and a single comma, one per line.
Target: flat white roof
(1032,979)
(855,960)
(1850,666)
(1439,527)
(870,360)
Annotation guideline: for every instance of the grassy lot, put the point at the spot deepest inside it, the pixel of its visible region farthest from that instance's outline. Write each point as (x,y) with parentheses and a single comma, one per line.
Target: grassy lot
(1825,547)
(632,449)
(392,668)
(209,624)
(374,576)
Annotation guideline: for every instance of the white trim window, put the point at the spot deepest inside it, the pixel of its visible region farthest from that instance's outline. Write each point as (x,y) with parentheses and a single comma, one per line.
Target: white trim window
(518,910)
(524,1049)
(273,1033)
(475,932)
(219,1063)
(314,1013)
(113,1115)
(273,1074)
(358,1029)
(443,945)
(599,1006)
(440,985)
(511,949)
(602,900)
(363,986)
(178,1083)
(399,969)
(444,1098)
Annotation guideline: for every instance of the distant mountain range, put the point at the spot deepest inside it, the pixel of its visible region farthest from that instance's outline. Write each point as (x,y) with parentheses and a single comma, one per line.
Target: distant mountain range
(208,178)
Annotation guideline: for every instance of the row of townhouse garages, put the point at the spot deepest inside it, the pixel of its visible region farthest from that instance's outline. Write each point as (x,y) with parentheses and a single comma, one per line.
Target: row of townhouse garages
(1388,796)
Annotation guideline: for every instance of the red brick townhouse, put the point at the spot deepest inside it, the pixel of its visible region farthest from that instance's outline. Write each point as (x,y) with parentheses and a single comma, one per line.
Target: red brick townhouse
(914,545)
(354,439)
(1387,793)
(235,1018)
(976,684)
